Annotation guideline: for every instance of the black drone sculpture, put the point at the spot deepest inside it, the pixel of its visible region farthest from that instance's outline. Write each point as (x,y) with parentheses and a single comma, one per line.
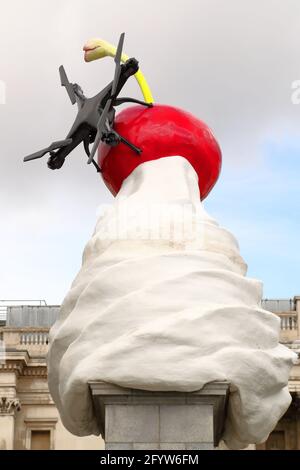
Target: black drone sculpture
(95,118)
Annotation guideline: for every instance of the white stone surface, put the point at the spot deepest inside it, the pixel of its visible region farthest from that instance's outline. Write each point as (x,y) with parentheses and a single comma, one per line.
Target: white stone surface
(168,313)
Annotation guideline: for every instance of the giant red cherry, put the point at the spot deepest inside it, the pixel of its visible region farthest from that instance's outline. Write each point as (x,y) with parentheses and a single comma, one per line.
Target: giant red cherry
(160,131)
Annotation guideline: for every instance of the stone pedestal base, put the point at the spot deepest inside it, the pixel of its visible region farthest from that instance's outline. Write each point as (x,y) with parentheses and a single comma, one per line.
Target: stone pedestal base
(138,419)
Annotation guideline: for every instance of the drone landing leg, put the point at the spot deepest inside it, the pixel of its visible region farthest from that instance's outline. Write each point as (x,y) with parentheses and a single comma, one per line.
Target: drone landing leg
(112,138)
(119,101)
(87,151)
(130,145)
(96,166)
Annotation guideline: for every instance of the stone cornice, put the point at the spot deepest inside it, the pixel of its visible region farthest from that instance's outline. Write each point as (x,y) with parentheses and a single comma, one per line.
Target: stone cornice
(39,371)
(21,363)
(24,329)
(12,366)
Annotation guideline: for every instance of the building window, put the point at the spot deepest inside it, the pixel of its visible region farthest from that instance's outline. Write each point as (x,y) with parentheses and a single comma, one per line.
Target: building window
(40,440)
(40,433)
(276,441)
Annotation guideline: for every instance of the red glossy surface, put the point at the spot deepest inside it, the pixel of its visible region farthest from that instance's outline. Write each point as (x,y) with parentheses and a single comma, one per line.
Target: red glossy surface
(161,131)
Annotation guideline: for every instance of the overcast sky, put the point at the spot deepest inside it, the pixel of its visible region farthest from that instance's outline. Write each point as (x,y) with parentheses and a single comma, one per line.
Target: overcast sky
(230,62)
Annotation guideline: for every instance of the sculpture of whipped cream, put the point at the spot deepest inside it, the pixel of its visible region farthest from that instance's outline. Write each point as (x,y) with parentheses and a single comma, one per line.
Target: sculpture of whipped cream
(162,303)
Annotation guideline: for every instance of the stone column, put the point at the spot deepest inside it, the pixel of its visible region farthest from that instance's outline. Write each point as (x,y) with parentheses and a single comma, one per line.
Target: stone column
(297,305)
(8,406)
(9,403)
(138,419)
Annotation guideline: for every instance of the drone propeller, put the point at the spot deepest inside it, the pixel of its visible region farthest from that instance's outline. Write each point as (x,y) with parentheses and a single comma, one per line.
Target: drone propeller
(65,82)
(103,121)
(55,145)
(117,59)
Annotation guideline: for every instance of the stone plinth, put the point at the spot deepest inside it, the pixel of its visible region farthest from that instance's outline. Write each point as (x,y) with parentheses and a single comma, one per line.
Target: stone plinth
(139,419)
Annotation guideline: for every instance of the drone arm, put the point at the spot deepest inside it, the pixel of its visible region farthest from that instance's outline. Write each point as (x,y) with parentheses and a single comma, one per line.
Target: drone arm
(57,158)
(76,139)
(127,70)
(55,145)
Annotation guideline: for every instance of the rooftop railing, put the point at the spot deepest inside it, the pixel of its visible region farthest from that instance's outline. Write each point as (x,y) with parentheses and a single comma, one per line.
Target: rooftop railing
(4,304)
(284,308)
(278,305)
